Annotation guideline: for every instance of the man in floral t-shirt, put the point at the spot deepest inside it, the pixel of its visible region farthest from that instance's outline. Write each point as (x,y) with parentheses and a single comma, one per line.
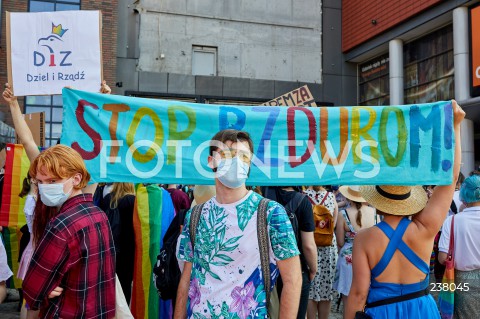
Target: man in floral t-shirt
(222,276)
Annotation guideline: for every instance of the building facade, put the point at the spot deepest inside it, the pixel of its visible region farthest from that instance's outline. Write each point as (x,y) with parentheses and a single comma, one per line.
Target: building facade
(52,105)
(409,52)
(242,52)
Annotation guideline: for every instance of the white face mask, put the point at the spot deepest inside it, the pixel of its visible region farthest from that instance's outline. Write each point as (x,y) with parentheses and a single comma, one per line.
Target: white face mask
(232,172)
(52,194)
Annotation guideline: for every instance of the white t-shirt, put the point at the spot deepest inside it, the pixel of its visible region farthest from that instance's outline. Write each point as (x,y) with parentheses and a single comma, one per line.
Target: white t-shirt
(29,210)
(5,271)
(226,279)
(467,239)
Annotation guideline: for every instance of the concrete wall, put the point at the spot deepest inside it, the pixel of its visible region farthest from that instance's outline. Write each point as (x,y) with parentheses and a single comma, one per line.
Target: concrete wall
(339,77)
(258,48)
(256,39)
(127,47)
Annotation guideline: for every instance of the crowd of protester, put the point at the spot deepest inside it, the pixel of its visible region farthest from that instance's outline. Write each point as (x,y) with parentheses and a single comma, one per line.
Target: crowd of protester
(367,246)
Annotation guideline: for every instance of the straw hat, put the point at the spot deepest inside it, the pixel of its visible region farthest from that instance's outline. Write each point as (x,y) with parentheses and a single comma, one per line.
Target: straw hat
(395,200)
(352,193)
(203,193)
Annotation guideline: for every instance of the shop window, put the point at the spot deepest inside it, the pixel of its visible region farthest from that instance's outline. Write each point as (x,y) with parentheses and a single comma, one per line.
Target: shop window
(429,71)
(374,82)
(53,5)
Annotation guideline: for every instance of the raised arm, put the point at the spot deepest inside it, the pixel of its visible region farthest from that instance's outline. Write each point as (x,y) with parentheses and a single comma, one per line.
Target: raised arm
(433,215)
(21,127)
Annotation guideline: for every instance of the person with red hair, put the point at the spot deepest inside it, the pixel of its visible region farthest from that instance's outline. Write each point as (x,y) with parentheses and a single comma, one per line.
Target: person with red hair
(75,251)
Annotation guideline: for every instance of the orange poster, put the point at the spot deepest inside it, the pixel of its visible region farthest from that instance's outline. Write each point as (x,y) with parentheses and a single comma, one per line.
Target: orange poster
(475,40)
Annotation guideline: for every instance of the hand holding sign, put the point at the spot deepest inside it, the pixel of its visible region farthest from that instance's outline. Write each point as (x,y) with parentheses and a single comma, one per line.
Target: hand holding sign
(105,89)
(458,113)
(22,129)
(8,94)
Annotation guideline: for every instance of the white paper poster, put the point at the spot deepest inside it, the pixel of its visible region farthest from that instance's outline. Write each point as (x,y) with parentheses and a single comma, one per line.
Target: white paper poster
(51,50)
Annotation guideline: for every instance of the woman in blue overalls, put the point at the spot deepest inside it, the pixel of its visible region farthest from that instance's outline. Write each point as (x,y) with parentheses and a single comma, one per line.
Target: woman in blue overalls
(391,261)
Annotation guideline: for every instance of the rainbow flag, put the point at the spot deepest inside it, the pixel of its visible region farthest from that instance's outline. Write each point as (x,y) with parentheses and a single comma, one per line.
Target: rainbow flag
(12,217)
(153,214)
(16,169)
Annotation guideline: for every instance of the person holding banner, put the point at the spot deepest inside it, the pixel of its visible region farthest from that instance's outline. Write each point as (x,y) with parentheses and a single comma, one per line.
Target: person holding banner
(76,251)
(23,131)
(387,284)
(222,271)
(21,128)
(32,150)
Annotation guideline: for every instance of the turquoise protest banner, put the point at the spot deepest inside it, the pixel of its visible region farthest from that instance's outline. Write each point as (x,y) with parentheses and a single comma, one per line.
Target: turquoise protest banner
(125,139)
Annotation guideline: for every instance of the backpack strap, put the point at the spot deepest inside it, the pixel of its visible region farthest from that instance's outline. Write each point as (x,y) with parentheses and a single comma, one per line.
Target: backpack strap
(194,219)
(292,206)
(264,245)
(451,246)
(324,198)
(347,220)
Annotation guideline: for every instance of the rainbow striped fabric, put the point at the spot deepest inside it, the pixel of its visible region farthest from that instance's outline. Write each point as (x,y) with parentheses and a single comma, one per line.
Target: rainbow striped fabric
(12,217)
(153,214)
(16,169)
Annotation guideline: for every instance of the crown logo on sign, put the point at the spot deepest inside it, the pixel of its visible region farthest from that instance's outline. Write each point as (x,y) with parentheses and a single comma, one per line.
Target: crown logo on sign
(58,30)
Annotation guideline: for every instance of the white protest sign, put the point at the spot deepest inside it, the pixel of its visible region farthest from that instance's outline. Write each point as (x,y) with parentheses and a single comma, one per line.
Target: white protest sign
(50,50)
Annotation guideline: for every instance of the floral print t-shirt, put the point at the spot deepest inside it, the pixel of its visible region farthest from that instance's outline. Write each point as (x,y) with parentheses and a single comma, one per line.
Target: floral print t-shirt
(226,279)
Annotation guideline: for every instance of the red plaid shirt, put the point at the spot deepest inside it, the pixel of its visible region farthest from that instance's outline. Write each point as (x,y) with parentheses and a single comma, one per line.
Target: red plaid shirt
(76,253)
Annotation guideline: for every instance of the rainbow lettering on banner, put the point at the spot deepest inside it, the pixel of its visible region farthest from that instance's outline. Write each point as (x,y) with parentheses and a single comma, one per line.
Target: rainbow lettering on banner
(153,214)
(155,141)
